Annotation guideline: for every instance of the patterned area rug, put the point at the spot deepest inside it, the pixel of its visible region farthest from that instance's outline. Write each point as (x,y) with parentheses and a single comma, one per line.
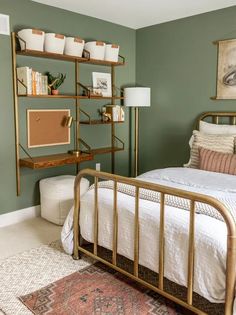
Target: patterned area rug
(97,290)
(32,270)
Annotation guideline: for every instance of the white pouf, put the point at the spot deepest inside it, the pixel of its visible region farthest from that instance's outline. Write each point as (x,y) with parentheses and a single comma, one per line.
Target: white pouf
(57,197)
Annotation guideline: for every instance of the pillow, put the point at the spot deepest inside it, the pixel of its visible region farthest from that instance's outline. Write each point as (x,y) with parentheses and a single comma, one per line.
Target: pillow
(215,129)
(217,162)
(219,143)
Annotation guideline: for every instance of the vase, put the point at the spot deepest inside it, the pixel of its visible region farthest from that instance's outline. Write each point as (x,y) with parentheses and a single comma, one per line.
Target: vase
(55,92)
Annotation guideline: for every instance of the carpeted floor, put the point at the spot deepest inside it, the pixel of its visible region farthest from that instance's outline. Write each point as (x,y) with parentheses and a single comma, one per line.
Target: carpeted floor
(32,270)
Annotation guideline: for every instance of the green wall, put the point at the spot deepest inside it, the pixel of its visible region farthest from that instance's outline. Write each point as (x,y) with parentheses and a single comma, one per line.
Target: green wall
(27,14)
(178,61)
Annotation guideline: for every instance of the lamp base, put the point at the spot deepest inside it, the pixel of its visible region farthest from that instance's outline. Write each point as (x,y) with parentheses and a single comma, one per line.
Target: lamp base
(74,152)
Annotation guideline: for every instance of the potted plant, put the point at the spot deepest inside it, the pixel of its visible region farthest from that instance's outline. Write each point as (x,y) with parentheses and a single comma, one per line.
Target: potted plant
(55,81)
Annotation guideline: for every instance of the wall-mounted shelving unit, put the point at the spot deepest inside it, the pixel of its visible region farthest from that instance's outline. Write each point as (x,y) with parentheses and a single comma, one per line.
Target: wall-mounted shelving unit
(55,160)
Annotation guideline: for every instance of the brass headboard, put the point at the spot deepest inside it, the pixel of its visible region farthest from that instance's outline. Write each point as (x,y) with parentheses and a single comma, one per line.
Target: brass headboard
(215,116)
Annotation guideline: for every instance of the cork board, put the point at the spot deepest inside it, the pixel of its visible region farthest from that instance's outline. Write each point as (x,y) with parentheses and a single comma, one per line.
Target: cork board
(46,127)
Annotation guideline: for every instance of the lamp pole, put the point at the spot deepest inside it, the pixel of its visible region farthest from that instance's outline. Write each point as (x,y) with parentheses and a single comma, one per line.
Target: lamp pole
(136,140)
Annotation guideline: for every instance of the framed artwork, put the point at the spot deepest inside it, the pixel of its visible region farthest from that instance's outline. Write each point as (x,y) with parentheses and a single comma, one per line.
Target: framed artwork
(102,84)
(46,127)
(226,73)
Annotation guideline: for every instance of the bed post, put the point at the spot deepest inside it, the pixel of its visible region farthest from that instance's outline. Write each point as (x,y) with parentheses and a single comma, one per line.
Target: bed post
(76,227)
(230,275)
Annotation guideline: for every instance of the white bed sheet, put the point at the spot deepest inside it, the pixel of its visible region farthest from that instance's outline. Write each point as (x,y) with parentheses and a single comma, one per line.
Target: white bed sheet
(210,236)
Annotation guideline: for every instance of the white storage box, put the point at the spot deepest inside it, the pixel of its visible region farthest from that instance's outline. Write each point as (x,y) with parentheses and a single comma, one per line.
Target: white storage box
(74,46)
(96,50)
(112,52)
(57,197)
(54,43)
(34,39)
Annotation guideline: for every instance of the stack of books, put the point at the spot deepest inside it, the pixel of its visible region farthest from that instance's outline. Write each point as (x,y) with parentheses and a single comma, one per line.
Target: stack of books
(30,82)
(116,112)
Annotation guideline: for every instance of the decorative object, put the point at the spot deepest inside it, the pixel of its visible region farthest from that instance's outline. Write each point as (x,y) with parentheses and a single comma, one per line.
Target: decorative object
(102,84)
(105,117)
(226,74)
(116,112)
(69,122)
(97,290)
(137,97)
(46,127)
(54,82)
(57,197)
(95,50)
(74,46)
(112,52)
(32,39)
(31,270)
(54,43)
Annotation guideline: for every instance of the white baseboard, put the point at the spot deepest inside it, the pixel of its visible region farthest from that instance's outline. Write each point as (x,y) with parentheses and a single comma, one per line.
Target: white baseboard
(19,216)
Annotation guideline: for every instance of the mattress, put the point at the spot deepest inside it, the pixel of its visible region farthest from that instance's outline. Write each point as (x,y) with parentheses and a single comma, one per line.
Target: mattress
(210,235)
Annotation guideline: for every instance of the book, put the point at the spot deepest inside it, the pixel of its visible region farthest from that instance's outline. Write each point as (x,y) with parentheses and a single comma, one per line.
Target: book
(24,80)
(44,85)
(33,80)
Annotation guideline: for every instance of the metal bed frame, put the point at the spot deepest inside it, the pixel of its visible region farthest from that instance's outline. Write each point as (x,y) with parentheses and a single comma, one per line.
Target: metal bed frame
(163,190)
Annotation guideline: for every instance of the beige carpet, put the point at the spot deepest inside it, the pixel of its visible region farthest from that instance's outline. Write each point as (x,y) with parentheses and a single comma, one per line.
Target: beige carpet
(32,270)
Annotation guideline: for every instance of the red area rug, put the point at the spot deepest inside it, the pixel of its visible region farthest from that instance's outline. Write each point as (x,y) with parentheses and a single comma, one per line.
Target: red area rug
(97,290)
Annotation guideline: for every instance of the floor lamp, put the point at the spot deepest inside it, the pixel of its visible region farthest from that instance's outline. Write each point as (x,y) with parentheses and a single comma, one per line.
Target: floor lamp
(137,97)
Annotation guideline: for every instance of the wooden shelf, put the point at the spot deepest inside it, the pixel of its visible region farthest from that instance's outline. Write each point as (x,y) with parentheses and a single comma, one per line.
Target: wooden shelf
(104,62)
(54,160)
(55,96)
(73,96)
(99,122)
(43,54)
(105,150)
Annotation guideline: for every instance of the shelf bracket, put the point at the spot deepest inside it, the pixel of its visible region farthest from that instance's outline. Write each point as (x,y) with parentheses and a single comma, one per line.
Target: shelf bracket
(86,114)
(120,141)
(27,153)
(85,145)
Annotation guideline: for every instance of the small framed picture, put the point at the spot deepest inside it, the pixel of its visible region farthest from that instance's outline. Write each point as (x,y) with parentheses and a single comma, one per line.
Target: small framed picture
(102,84)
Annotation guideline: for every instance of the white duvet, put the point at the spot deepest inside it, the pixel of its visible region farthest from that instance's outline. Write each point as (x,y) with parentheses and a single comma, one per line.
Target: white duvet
(210,236)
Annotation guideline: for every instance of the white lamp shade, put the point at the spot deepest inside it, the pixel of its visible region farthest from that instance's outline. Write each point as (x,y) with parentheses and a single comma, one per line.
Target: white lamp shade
(137,96)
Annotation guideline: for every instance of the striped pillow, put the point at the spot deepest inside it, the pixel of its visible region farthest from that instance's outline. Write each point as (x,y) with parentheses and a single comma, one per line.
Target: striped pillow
(217,162)
(219,143)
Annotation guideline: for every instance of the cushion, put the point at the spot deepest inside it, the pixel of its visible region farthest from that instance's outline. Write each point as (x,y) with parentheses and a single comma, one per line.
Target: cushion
(217,162)
(219,143)
(215,129)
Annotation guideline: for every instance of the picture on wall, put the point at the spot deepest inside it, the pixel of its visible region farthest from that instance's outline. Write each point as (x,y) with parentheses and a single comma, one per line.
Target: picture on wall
(102,84)
(46,127)
(226,75)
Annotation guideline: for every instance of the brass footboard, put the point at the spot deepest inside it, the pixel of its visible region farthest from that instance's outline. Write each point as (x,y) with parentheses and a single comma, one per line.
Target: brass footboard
(193,197)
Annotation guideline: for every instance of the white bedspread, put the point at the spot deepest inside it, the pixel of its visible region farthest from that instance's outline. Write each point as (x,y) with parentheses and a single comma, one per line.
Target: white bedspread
(210,241)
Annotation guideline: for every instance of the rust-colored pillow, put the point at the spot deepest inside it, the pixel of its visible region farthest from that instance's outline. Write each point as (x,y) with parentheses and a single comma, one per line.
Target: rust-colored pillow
(217,162)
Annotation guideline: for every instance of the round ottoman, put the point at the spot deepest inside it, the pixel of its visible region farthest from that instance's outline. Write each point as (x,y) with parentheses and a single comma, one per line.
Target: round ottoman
(57,197)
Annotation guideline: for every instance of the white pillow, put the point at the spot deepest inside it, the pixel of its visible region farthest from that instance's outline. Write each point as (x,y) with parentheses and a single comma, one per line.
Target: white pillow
(214,129)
